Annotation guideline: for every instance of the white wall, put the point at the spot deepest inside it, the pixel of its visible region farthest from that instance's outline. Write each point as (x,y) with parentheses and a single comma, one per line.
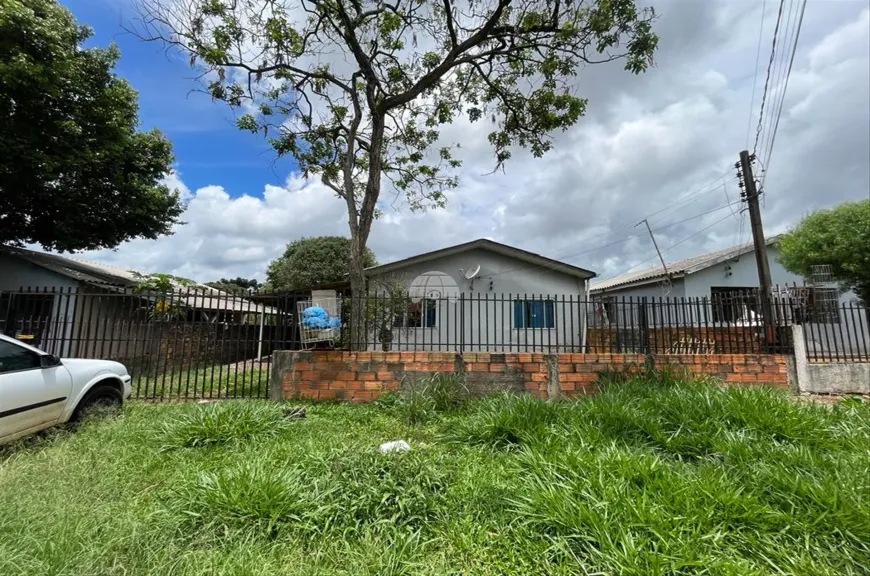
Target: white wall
(479,315)
(740,272)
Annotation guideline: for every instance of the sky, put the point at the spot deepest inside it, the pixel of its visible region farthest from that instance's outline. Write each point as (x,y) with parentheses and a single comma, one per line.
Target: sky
(660,146)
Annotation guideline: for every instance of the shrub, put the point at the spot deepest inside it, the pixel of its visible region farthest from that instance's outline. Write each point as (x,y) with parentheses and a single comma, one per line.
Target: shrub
(223,422)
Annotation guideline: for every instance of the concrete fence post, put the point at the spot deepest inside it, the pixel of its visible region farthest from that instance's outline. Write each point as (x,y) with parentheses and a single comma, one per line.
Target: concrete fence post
(554,389)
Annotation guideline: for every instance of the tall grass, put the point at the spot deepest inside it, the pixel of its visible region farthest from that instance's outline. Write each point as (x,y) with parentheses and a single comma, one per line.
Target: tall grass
(653,475)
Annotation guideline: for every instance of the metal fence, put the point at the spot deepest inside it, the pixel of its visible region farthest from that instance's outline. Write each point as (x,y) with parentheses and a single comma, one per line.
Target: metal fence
(844,336)
(190,343)
(559,323)
(199,343)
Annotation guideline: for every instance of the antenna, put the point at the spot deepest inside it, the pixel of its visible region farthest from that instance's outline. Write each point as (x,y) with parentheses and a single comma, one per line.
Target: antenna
(472,272)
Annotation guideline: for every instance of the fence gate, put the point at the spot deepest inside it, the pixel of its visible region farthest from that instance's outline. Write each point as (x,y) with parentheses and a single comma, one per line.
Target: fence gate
(186,344)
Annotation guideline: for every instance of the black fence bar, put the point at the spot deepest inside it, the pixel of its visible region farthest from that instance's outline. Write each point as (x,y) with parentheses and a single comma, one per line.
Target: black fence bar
(195,342)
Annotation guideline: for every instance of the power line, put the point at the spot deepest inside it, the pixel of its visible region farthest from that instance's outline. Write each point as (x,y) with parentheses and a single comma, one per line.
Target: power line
(672,246)
(780,61)
(685,199)
(769,68)
(784,88)
(548,267)
(755,75)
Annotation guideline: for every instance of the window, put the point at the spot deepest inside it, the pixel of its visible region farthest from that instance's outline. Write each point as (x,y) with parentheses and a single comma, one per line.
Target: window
(534,314)
(14,358)
(734,304)
(419,315)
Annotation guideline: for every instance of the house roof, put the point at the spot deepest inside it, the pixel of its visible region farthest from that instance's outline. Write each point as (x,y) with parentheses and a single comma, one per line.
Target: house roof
(534,260)
(111,277)
(676,269)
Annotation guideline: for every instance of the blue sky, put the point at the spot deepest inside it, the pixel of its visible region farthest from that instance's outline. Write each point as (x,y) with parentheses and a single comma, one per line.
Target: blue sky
(208,147)
(645,142)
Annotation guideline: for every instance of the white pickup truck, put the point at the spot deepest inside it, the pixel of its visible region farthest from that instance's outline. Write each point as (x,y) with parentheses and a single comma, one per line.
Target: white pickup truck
(39,390)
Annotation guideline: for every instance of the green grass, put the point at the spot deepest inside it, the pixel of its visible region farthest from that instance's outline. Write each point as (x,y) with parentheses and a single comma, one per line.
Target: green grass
(212,382)
(651,476)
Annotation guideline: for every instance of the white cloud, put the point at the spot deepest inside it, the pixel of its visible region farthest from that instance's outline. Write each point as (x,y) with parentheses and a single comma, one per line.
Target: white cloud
(645,142)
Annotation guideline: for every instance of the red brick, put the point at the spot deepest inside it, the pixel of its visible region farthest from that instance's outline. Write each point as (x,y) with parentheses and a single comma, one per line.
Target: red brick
(366,376)
(393,357)
(406,356)
(371,385)
(539,377)
(363,396)
(532,367)
(384,376)
(307,375)
(524,358)
(327,394)
(302,366)
(567,386)
(498,367)
(566,368)
(346,376)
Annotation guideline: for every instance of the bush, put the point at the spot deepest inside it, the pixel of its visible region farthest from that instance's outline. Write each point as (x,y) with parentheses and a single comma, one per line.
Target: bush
(223,422)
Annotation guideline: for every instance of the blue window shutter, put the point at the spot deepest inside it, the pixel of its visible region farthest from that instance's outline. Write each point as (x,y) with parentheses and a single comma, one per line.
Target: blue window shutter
(519,309)
(536,314)
(550,311)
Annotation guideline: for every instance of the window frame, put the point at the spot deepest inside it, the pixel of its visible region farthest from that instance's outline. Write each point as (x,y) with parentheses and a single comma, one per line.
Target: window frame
(26,350)
(427,306)
(548,310)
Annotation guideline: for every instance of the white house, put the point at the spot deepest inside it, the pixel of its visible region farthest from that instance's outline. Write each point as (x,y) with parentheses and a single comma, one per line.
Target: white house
(482,295)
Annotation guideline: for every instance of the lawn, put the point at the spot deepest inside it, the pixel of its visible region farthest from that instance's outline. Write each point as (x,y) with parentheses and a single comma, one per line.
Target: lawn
(650,476)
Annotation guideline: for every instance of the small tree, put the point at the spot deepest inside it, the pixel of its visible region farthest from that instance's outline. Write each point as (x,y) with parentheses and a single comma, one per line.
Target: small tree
(75,174)
(355,90)
(839,237)
(314,261)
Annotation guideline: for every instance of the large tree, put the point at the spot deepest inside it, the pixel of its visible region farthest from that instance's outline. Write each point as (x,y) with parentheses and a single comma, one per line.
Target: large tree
(839,237)
(356,90)
(74,171)
(312,262)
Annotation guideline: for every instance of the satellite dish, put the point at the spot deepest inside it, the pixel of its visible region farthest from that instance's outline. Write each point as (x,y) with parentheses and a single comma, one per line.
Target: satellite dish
(472,272)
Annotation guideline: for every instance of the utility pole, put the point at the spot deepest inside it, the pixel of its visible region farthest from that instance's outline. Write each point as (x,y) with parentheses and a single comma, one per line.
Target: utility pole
(659,252)
(751,196)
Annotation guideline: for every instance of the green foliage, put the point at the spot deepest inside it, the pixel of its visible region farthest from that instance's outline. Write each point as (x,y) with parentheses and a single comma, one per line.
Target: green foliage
(75,173)
(423,398)
(223,422)
(311,262)
(840,237)
(237,285)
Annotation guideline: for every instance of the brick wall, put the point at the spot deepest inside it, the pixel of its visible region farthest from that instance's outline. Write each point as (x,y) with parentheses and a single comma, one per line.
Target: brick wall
(362,376)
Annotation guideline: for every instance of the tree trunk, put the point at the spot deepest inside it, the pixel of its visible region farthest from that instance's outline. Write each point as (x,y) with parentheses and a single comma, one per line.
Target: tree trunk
(358,294)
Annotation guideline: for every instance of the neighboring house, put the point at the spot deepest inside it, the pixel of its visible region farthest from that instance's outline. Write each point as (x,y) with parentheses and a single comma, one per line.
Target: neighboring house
(481,295)
(73,307)
(724,280)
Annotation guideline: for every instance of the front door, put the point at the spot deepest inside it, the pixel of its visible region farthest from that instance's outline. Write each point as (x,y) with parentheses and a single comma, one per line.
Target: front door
(31,397)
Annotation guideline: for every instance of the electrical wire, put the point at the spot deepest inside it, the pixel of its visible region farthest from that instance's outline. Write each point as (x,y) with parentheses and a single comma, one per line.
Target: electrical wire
(548,267)
(781,59)
(671,247)
(784,89)
(767,79)
(755,75)
(686,199)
